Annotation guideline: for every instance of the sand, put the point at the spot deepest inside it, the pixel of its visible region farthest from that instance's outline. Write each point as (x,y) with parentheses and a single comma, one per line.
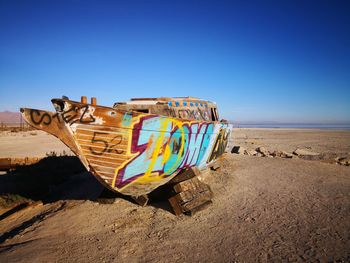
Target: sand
(30,144)
(264,209)
(322,141)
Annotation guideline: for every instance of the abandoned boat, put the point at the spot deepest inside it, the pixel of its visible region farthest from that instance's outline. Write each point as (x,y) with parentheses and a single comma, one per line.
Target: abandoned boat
(139,145)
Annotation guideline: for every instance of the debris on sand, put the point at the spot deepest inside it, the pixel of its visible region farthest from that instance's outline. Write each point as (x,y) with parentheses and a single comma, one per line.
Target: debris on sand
(282,154)
(301,153)
(238,150)
(343,161)
(263,151)
(305,152)
(250,152)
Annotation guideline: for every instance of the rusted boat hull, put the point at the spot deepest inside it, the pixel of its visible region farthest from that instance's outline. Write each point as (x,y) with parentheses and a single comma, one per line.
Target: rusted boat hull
(130,152)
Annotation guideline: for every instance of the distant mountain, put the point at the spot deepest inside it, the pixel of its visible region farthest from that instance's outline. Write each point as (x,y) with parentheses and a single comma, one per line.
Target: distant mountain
(10,117)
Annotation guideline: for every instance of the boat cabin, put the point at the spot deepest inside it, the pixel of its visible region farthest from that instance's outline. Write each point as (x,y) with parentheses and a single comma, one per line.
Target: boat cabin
(189,108)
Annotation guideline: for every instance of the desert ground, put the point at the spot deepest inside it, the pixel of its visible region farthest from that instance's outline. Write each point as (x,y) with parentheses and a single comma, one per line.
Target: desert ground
(272,207)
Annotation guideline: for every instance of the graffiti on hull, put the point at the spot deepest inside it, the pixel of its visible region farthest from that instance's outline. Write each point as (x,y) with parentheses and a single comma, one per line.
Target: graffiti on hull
(220,144)
(162,146)
(133,153)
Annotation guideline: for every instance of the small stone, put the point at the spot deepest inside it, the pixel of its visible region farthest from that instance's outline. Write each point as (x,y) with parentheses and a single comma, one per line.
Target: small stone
(289,155)
(241,150)
(262,150)
(343,161)
(250,152)
(275,154)
(282,154)
(286,155)
(238,150)
(305,152)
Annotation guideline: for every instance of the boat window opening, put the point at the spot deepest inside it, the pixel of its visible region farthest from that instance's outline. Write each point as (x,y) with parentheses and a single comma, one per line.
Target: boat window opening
(216,114)
(213,115)
(142,110)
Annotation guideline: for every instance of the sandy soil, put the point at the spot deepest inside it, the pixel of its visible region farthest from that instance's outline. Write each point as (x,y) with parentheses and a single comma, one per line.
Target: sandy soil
(30,144)
(264,209)
(321,141)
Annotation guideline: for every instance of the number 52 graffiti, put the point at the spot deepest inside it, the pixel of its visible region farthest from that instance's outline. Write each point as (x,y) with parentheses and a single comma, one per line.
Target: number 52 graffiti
(108,147)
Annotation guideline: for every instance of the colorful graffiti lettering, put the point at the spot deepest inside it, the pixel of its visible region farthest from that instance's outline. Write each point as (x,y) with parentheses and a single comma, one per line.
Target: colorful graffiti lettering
(165,145)
(220,144)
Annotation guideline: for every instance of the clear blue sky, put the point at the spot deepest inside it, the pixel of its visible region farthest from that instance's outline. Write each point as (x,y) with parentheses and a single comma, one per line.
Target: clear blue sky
(285,61)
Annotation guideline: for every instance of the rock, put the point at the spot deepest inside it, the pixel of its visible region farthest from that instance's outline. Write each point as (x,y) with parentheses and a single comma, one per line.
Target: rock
(286,155)
(305,152)
(250,152)
(344,161)
(262,150)
(235,149)
(241,150)
(238,150)
(273,154)
(282,154)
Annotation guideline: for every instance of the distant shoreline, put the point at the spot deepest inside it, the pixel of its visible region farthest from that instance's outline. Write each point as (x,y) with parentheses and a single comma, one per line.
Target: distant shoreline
(294,126)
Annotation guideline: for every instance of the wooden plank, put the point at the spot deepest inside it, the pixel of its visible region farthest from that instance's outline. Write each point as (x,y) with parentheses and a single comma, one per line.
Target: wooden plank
(199,200)
(191,184)
(192,195)
(89,140)
(111,157)
(183,186)
(186,174)
(142,200)
(103,168)
(175,205)
(198,185)
(184,197)
(89,130)
(102,162)
(102,150)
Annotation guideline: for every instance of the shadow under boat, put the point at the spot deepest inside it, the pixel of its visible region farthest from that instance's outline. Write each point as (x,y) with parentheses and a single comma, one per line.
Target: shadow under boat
(56,178)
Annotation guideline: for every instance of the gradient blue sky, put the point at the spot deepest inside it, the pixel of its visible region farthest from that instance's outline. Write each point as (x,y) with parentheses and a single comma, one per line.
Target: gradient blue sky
(286,61)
